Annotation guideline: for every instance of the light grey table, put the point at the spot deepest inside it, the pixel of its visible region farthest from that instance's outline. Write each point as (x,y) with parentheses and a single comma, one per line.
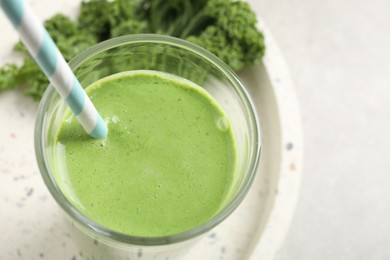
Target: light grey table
(339,53)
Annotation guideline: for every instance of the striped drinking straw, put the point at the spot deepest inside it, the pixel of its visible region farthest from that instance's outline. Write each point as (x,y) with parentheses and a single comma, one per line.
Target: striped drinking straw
(46,54)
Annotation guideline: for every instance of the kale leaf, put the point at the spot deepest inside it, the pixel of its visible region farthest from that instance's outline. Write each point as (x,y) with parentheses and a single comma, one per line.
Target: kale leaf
(226,28)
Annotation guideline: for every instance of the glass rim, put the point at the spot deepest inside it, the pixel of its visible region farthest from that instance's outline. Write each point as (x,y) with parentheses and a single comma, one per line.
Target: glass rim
(100,230)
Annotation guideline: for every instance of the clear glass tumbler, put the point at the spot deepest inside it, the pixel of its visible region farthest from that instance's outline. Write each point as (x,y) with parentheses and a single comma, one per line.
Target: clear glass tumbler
(165,54)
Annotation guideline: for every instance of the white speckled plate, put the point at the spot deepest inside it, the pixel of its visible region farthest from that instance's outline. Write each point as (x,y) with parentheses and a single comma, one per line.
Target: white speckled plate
(30,222)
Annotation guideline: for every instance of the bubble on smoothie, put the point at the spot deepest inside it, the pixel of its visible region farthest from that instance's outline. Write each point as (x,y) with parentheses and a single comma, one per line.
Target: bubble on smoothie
(115,119)
(222,124)
(69,119)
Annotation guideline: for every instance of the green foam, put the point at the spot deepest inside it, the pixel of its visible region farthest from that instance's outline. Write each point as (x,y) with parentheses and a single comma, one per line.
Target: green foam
(167,164)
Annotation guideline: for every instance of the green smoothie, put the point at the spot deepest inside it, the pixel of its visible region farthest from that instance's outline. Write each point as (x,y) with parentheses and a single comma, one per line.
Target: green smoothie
(167,164)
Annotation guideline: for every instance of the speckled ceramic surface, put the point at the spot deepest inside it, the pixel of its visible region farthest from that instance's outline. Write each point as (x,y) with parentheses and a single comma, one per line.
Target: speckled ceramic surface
(32,226)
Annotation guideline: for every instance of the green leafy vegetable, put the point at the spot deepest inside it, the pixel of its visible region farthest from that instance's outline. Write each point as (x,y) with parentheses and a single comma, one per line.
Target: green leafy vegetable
(32,76)
(226,28)
(70,39)
(8,76)
(104,18)
(130,27)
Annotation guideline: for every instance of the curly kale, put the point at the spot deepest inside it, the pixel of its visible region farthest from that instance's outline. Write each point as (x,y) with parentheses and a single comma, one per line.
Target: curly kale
(130,27)
(70,40)
(94,18)
(106,19)
(68,36)
(8,76)
(170,17)
(226,28)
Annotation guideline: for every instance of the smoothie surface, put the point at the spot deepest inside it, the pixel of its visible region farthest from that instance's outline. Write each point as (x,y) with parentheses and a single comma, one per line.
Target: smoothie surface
(167,164)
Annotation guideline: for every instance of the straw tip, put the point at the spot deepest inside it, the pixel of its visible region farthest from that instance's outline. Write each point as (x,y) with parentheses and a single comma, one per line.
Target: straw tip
(100,131)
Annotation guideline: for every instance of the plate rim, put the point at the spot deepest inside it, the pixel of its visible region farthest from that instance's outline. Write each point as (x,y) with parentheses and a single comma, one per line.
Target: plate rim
(290,175)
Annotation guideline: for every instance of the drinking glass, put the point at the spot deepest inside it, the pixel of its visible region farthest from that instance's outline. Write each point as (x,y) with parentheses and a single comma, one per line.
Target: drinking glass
(164,54)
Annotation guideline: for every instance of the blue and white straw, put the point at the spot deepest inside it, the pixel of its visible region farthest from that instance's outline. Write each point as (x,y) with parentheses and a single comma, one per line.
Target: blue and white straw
(45,52)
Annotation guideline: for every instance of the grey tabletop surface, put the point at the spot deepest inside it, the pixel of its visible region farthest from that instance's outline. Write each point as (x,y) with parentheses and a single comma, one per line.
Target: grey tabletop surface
(338,53)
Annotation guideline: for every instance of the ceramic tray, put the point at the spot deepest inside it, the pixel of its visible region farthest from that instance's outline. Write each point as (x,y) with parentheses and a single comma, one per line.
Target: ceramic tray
(30,221)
